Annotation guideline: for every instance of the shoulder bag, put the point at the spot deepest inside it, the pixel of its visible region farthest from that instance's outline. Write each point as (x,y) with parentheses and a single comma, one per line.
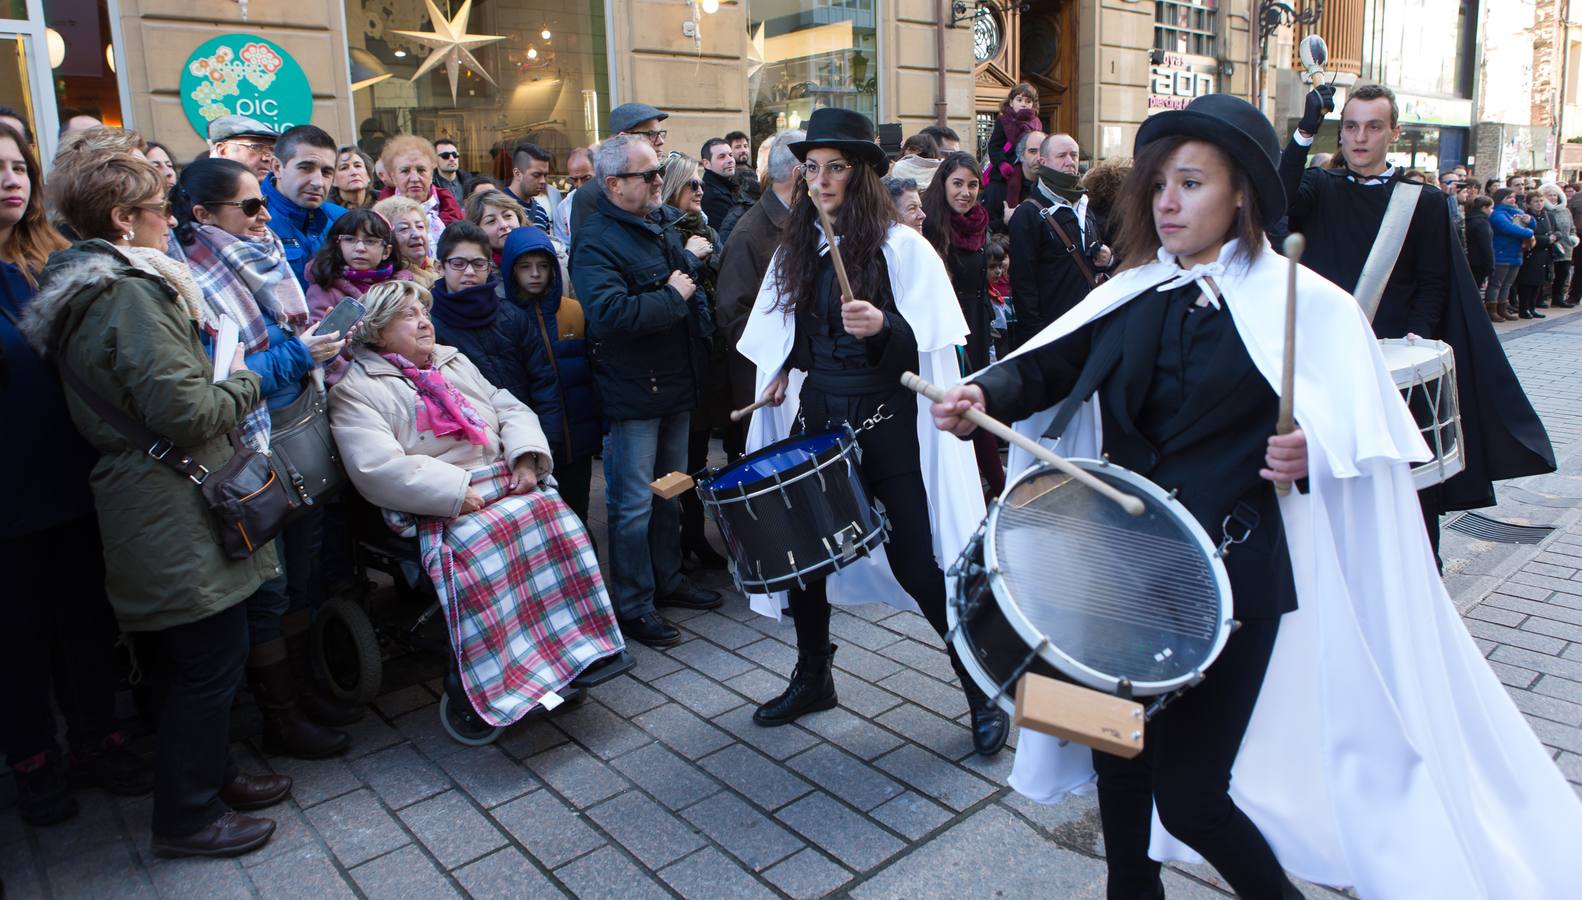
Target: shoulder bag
(302,448)
(1094,279)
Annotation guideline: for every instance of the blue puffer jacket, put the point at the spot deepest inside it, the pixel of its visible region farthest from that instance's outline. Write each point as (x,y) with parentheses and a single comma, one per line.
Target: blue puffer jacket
(281,368)
(300,229)
(562,320)
(1508,235)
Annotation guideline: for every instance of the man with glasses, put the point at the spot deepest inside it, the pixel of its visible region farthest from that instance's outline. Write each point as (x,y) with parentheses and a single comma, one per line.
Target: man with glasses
(449,176)
(629,119)
(648,324)
(248,141)
(300,213)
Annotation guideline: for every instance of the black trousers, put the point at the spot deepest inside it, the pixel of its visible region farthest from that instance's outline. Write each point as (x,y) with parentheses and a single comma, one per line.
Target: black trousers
(574,480)
(1556,293)
(59,633)
(1185,769)
(194,670)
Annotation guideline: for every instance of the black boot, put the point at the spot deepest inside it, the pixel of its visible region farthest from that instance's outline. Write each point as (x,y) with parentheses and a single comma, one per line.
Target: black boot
(286,731)
(43,796)
(112,765)
(990,725)
(812,688)
(313,703)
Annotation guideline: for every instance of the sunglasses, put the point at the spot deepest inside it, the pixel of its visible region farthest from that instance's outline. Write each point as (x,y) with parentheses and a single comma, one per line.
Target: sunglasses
(696,184)
(249,207)
(448,154)
(651,176)
(162,208)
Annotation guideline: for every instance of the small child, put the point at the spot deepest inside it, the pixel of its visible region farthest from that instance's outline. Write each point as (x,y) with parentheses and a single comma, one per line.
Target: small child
(358,253)
(999,297)
(1018,116)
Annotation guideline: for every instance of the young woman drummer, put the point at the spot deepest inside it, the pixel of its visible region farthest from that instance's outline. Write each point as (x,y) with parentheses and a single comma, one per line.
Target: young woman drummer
(902,312)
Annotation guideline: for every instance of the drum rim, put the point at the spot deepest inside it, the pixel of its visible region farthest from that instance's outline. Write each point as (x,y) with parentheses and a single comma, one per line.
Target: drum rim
(1441,364)
(1049,651)
(845,444)
(869,541)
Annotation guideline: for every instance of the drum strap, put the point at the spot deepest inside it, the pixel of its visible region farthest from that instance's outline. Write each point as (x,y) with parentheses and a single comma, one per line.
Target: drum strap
(1387,246)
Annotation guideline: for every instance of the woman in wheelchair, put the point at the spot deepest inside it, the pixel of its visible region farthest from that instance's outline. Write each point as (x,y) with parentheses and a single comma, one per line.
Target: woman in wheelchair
(422,433)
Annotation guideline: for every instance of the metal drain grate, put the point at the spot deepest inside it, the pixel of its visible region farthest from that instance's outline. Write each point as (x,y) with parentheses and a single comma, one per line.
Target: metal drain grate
(1487,529)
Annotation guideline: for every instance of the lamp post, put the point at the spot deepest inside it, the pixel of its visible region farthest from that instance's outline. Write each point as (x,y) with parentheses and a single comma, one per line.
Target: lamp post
(1272,14)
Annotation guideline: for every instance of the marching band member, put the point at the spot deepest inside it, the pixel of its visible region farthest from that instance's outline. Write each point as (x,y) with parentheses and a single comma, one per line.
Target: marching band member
(1370,744)
(904,317)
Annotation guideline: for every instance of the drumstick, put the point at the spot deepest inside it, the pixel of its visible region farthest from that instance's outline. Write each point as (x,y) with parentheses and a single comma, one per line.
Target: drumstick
(1000,429)
(834,250)
(739,414)
(1294,245)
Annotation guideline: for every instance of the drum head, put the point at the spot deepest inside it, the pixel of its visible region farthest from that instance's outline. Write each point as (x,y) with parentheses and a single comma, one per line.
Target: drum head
(777,458)
(1141,599)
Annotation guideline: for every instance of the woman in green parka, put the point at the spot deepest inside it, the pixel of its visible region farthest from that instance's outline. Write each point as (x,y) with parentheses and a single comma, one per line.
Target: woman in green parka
(120,315)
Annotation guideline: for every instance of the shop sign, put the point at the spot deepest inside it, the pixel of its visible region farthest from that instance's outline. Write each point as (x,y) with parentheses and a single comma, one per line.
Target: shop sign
(1419,110)
(1175,83)
(243,74)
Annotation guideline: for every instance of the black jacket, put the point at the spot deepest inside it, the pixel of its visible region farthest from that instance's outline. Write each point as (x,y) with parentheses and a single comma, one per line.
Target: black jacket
(1045,280)
(1480,246)
(649,345)
(969,275)
(723,203)
(1538,263)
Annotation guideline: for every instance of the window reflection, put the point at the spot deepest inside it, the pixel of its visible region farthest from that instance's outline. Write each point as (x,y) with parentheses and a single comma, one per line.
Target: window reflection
(804,54)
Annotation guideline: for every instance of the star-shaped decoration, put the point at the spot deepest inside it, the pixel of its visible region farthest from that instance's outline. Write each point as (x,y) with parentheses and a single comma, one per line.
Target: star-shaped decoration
(452,44)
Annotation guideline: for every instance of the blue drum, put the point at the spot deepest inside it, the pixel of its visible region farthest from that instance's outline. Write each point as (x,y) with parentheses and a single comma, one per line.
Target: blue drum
(794,511)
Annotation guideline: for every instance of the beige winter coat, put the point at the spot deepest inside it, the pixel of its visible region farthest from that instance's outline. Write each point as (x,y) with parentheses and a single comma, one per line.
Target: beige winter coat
(373,417)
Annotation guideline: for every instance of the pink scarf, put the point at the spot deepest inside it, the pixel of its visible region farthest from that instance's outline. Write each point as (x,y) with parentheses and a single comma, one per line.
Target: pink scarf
(441,408)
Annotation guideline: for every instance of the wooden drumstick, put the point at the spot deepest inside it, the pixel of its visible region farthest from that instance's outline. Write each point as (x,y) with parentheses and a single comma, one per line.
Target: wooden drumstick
(999,429)
(1294,245)
(739,414)
(846,295)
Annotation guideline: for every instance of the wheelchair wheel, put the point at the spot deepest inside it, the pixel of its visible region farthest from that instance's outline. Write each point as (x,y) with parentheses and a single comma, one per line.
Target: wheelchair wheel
(465,727)
(346,652)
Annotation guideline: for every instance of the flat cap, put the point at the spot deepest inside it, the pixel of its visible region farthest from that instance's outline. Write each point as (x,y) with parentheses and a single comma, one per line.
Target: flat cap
(630,115)
(227,127)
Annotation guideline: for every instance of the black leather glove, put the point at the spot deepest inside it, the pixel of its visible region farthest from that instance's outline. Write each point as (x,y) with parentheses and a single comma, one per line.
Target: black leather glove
(1320,100)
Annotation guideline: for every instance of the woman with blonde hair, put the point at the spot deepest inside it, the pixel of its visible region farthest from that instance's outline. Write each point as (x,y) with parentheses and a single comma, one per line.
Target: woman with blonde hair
(409,231)
(410,163)
(498,214)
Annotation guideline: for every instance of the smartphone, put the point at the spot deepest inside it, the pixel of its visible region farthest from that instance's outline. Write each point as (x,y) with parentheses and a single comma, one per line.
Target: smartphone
(346,313)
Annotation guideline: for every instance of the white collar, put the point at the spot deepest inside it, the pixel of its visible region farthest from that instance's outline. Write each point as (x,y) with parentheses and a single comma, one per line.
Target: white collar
(1372,180)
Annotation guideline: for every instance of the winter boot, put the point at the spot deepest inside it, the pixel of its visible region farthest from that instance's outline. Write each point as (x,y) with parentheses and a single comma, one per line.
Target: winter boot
(812,688)
(286,731)
(315,705)
(43,796)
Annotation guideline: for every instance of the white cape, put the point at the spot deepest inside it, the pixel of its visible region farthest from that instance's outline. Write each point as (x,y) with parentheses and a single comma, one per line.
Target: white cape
(922,292)
(1383,754)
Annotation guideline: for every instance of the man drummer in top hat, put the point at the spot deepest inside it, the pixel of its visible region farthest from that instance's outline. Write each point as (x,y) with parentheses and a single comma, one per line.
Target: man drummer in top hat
(903,316)
(1371,744)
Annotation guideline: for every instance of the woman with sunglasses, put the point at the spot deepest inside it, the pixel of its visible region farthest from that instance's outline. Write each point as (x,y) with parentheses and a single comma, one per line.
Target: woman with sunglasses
(903,317)
(222,224)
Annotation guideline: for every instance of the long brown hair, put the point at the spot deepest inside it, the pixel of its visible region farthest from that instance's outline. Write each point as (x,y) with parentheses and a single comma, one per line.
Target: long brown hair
(862,222)
(936,201)
(32,238)
(1137,240)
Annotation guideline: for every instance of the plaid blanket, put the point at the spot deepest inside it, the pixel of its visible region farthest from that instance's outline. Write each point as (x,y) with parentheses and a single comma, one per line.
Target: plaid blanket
(523,597)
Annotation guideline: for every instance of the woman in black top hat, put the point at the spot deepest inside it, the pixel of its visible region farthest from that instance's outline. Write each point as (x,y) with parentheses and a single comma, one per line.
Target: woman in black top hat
(854,354)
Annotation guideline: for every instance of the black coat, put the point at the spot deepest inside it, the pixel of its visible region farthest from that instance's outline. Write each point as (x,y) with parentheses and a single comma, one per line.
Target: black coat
(508,352)
(969,275)
(1045,280)
(649,344)
(720,196)
(1539,262)
(1480,246)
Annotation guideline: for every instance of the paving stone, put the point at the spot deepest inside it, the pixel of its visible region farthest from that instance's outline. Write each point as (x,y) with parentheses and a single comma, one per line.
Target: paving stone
(1570,766)
(200,879)
(406,873)
(627,696)
(709,659)
(291,832)
(1560,585)
(807,875)
(783,628)
(576,775)
(422,727)
(1516,637)
(94,827)
(369,734)
(1553,628)
(708,874)
(1553,734)
(17,868)
(683,732)
(778,742)
(746,833)
(758,686)
(665,776)
(306,873)
(755,776)
(488,775)
(855,734)
(933,695)
(1572,652)
(869,612)
(698,693)
(842,833)
(550,830)
(865,664)
(645,829)
(530,736)
(939,779)
(940,735)
(995,769)
(607,874)
(452,829)
(400,775)
(651,663)
(927,657)
(911,624)
(1541,568)
(1547,707)
(1539,662)
(600,730)
(778,658)
(1513,676)
(848,629)
(356,827)
(102,870)
(1536,608)
(399,703)
(1564,688)
(1525,591)
(1494,614)
(911,814)
(314,781)
(850,779)
(506,873)
(723,631)
(861,697)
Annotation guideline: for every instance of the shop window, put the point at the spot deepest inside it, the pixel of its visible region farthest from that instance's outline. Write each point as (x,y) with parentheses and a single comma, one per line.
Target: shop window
(805,54)
(551,78)
(77,39)
(1186,26)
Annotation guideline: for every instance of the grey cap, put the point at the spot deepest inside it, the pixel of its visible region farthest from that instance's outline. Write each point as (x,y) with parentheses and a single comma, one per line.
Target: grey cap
(227,127)
(630,115)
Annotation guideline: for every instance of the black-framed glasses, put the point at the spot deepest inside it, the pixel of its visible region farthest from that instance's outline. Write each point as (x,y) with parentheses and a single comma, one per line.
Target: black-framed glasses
(355,242)
(249,207)
(836,170)
(448,154)
(696,184)
(657,134)
(463,264)
(650,176)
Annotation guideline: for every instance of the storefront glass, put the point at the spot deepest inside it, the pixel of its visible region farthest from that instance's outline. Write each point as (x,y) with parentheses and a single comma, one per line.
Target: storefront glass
(78,38)
(806,54)
(551,77)
(1398,55)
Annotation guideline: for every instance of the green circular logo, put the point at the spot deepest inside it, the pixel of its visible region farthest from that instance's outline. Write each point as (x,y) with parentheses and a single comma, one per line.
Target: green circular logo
(243,74)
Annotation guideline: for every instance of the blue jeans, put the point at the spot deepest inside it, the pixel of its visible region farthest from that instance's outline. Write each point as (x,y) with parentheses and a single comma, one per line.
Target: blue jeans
(645,532)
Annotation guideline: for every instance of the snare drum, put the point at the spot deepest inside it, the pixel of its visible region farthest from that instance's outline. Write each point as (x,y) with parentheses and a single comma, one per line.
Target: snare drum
(1425,373)
(793,511)
(1061,582)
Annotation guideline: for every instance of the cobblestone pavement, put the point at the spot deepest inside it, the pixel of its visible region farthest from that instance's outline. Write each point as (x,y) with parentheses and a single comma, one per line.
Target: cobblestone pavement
(659,785)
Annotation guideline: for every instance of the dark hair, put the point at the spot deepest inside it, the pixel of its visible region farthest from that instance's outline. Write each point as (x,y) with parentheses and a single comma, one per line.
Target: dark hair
(1479,204)
(523,151)
(710,144)
(27,127)
(863,222)
(1021,90)
(922,145)
(898,186)
(32,238)
(941,134)
(298,136)
(446,140)
(328,264)
(936,200)
(1137,240)
(1502,194)
(201,183)
(995,249)
(1375,92)
(732,137)
(471,184)
(460,231)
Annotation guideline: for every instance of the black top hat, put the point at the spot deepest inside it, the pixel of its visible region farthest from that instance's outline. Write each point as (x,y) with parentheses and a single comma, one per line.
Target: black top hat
(845,130)
(1239,129)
